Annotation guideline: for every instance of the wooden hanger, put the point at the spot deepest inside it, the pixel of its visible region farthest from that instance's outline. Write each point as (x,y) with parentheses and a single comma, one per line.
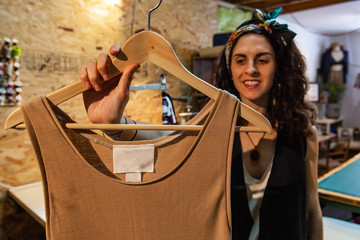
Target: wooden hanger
(147,46)
(141,47)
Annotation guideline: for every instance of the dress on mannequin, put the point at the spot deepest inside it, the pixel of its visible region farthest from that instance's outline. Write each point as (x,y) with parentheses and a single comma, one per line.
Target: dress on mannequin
(334,65)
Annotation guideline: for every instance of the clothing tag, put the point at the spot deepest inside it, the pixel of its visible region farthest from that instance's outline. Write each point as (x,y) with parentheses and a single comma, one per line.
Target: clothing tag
(133,177)
(133,160)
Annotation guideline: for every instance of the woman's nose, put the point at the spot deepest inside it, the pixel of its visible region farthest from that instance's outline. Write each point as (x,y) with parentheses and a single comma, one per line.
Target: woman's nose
(251,68)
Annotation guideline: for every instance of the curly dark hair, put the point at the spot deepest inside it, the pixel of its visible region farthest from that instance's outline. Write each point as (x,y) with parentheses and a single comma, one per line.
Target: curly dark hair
(291,112)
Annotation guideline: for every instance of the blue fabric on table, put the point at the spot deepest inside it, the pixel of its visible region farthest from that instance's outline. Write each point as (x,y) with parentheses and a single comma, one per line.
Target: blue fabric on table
(346,180)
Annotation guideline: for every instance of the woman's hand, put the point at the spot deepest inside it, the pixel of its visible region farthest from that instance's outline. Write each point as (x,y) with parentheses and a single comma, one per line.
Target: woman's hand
(107,97)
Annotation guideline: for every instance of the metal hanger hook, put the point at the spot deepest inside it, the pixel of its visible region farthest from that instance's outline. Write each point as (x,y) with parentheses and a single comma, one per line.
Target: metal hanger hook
(151,10)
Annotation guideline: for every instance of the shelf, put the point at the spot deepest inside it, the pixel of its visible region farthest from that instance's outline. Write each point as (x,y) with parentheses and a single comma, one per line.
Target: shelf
(328,122)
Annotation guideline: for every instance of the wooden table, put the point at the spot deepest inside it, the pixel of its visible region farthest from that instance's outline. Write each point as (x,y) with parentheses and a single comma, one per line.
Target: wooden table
(340,187)
(31,198)
(324,138)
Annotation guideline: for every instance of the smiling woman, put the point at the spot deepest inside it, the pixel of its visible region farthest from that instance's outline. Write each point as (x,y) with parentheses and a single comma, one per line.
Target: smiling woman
(253,69)
(263,67)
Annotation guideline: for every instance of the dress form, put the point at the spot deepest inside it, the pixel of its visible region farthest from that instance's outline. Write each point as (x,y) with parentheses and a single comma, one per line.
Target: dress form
(338,55)
(336,65)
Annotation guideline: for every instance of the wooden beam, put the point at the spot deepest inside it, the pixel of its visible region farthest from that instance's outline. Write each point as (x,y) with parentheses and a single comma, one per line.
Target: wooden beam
(287,5)
(305,5)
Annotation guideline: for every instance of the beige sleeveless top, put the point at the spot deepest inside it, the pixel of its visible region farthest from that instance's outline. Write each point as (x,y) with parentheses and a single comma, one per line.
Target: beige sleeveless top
(187,196)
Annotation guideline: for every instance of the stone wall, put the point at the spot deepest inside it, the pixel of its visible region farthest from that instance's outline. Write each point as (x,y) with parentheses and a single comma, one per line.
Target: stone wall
(57,37)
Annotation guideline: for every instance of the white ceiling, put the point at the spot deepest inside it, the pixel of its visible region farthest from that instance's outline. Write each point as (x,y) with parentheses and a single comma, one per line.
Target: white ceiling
(332,20)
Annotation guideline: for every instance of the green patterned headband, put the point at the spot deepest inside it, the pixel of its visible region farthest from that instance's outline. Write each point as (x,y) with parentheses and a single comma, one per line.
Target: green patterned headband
(279,32)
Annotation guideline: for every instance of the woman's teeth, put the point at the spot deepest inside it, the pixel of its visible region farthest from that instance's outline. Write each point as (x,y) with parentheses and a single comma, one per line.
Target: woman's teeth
(251,83)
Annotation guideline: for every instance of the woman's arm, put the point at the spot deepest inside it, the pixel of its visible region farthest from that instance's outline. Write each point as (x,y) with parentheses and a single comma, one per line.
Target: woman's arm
(132,135)
(314,214)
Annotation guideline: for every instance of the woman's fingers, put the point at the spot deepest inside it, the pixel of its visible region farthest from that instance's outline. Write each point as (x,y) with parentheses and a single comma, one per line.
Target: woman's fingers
(84,77)
(97,71)
(125,80)
(93,75)
(103,66)
(114,50)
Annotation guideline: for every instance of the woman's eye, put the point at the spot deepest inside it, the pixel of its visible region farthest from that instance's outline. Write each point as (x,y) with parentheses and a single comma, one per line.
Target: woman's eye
(263,61)
(240,61)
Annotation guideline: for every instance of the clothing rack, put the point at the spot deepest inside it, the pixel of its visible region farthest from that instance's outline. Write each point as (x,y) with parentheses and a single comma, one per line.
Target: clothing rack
(156,86)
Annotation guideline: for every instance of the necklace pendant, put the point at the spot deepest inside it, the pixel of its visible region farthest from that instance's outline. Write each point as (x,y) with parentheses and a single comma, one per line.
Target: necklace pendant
(254,155)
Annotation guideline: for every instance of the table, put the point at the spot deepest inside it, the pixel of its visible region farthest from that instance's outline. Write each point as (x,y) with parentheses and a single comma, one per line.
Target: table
(31,198)
(335,229)
(324,138)
(340,187)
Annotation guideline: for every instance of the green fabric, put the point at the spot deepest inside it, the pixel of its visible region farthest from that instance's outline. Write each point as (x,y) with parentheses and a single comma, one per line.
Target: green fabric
(280,32)
(345,181)
(230,18)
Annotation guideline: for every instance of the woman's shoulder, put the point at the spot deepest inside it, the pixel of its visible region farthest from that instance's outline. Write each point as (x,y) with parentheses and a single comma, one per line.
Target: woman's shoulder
(313,134)
(312,144)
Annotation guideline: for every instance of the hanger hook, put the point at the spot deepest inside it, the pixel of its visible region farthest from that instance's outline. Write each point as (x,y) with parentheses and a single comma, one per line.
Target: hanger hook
(151,10)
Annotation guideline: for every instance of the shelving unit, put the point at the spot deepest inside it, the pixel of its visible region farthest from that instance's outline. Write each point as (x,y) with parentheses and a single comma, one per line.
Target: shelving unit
(328,122)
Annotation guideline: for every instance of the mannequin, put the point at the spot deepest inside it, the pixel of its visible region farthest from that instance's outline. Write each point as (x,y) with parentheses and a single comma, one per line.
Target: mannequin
(338,55)
(334,65)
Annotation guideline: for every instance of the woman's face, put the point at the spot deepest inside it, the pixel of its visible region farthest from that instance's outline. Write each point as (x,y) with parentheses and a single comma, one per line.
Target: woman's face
(253,68)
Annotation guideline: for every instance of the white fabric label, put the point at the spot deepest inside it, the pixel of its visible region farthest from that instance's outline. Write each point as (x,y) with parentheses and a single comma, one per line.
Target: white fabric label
(133,177)
(133,160)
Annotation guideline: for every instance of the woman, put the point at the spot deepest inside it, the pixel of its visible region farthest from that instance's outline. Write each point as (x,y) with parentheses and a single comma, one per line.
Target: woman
(263,67)
(274,177)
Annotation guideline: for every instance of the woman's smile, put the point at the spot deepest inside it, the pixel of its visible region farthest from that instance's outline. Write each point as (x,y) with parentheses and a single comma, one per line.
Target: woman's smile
(253,69)
(251,84)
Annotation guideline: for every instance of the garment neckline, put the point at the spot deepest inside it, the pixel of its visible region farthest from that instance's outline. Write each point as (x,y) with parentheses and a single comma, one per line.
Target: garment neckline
(60,118)
(249,179)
